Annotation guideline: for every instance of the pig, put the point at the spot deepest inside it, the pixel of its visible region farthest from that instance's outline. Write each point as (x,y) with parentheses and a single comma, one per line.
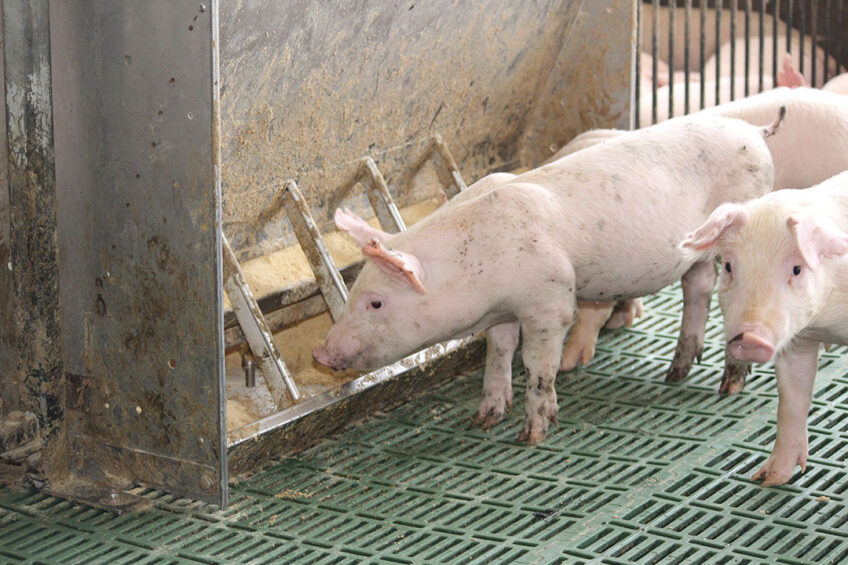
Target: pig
(783,290)
(838,84)
(720,62)
(514,254)
(696,35)
(812,147)
(711,97)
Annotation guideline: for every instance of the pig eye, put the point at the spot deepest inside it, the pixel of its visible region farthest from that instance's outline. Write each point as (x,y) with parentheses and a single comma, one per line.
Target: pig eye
(376,304)
(727,267)
(796,270)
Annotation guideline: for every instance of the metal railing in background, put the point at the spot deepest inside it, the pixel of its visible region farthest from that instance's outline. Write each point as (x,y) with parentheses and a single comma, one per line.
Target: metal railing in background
(696,54)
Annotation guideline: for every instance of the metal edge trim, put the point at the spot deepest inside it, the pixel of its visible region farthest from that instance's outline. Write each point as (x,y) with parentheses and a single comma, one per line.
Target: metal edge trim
(223,479)
(308,406)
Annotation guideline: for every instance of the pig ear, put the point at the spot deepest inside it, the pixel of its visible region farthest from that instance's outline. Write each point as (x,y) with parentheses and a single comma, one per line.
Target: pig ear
(358,229)
(730,216)
(817,237)
(789,75)
(401,266)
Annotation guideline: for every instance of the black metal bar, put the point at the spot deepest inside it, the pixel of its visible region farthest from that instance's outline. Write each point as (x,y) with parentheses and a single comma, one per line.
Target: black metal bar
(829,41)
(637,82)
(802,29)
(686,67)
(655,55)
(718,54)
(813,44)
(789,10)
(748,46)
(732,50)
(671,59)
(775,20)
(701,55)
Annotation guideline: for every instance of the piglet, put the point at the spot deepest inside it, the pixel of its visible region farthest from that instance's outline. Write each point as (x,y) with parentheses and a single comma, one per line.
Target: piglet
(516,252)
(783,290)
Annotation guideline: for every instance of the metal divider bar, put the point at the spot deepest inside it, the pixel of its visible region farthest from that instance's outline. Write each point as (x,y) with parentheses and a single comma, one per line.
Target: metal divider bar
(446,168)
(381,200)
(258,335)
(326,274)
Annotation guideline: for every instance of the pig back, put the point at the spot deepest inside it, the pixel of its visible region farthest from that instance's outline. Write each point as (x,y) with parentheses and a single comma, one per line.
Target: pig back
(624,205)
(811,143)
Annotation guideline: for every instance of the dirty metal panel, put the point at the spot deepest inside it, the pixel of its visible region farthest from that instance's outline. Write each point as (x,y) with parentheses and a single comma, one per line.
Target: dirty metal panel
(590,84)
(310,87)
(10,392)
(140,243)
(35,361)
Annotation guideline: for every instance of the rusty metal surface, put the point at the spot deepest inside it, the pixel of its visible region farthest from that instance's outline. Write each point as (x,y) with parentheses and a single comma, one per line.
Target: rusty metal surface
(36,360)
(140,245)
(310,87)
(10,392)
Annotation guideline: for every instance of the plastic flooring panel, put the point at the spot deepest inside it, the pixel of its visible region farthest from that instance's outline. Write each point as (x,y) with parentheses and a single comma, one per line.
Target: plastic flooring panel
(636,471)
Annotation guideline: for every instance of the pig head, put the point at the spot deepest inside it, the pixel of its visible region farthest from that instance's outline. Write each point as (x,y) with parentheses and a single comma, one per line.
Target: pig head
(391,287)
(772,283)
(405,298)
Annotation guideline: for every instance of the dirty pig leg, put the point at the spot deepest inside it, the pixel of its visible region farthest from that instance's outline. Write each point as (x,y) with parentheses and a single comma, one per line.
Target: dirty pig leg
(796,370)
(735,372)
(625,313)
(501,342)
(580,345)
(697,290)
(542,343)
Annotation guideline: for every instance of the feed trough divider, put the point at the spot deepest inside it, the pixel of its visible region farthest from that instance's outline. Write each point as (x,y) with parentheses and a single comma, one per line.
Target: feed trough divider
(257,332)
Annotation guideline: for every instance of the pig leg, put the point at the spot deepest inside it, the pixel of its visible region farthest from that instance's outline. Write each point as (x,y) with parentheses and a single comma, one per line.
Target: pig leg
(697,291)
(501,342)
(625,313)
(735,372)
(796,370)
(580,346)
(542,334)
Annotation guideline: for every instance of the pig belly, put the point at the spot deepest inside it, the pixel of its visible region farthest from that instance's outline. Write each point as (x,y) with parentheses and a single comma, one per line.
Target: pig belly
(614,279)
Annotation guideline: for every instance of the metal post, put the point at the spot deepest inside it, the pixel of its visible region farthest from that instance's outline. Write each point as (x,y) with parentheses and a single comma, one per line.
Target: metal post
(326,273)
(446,168)
(32,215)
(381,199)
(274,371)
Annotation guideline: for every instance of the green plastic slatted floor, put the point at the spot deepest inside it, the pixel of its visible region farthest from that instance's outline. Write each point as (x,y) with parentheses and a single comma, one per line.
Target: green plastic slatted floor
(637,471)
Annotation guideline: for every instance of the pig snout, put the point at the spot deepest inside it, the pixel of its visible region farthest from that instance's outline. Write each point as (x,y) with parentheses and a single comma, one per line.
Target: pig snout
(752,345)
(338,353)
(322,355)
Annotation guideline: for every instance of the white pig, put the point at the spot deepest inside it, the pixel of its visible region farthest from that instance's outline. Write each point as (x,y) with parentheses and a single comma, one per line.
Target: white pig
(518,252)
(812,146)
(838,84)
(724,57)
(711,97)
(783,291)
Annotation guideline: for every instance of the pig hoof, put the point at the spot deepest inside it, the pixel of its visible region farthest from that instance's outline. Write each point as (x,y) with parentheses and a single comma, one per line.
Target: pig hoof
(733,380)
(535,430)
(488,419)
(676,374)
(684,355)
(577,353)
(778,469)
(625,314)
